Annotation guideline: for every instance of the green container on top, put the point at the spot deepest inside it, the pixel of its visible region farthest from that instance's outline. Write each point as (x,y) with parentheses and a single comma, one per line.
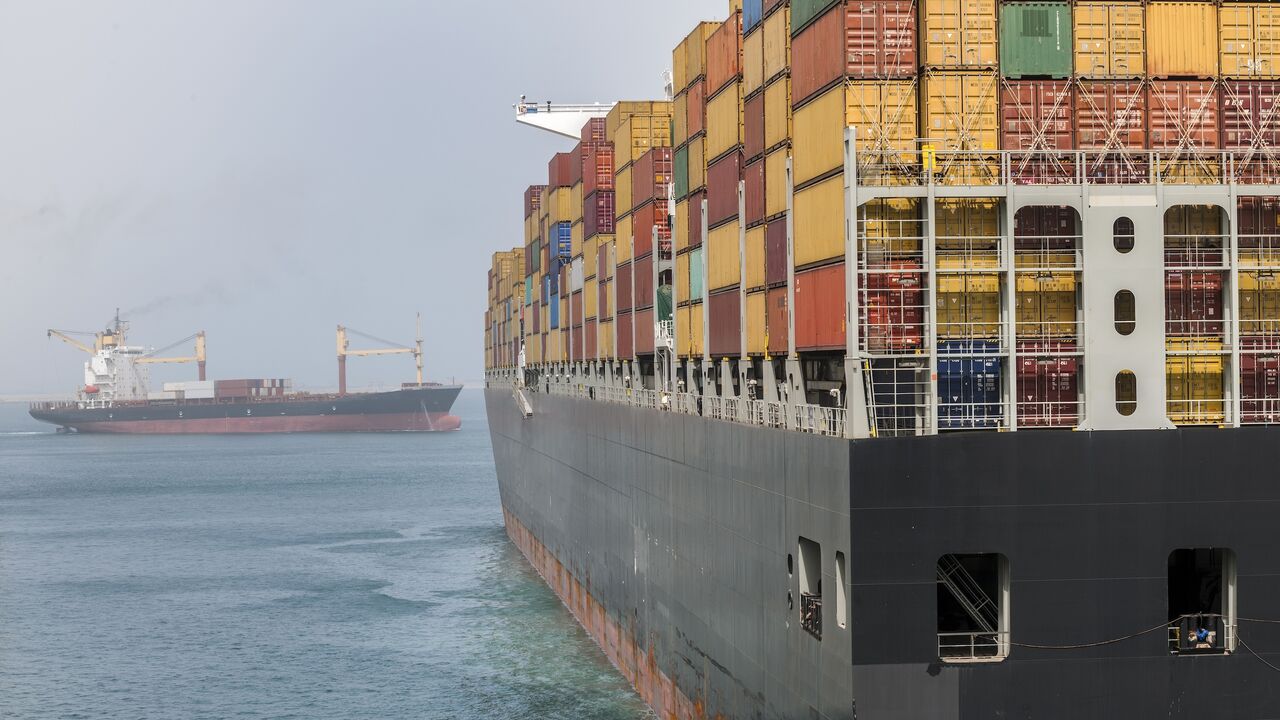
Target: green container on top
(1035,40)
(681,173)
(695,275)
(804,11)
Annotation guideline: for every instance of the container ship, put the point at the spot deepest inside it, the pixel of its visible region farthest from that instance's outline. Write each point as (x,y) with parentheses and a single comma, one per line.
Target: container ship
(116,398)
(912,360)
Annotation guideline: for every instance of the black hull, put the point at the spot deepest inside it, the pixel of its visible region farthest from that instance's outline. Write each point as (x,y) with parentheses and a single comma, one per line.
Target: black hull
(680,527)
(410,410)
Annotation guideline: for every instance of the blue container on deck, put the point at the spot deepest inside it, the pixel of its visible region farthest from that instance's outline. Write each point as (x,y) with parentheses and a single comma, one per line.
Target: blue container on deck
(555,312)
(969,385)
(896,397)
(564,240)
(752,14)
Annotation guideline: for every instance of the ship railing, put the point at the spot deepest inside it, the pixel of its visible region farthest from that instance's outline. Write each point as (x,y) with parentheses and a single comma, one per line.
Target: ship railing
(928,167)
(766,413)
(1185,637)
(1214,411)
(685,403)
(811,614)
(731,406)
(972,646)
(646,399)
(713,407)
(819,420)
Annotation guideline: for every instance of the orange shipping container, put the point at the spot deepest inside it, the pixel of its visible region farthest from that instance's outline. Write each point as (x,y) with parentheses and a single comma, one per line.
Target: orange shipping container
(820,308)
(1182,39)
(724,54)
(757,324)
(1110,39)
(959,33)
(1249,40)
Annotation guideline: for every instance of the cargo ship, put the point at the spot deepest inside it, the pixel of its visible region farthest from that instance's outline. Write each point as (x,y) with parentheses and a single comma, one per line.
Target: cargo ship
(115,397)
(912,360)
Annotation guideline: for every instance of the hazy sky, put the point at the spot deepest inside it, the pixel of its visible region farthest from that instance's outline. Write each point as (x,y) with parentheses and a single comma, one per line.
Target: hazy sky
(266,169)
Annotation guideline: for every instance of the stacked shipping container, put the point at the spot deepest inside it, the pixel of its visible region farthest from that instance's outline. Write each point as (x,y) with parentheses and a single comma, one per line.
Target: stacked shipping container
(937,86)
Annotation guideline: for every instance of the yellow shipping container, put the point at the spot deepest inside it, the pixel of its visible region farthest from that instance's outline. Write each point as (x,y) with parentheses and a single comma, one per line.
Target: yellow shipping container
(1182,40)
(689,324)
(755,258)
(967,219)
(777,43)
(590,298)
(724,121)
(777,112)
(533,349)
(969,306)
(959,33)
(622,240)
(1110,39)
(723,265)
(819,222)
(604,339)
(637,134)
(622,184)
(680,230)
(561,206)
(608,311)
(891,225)
(1194,384)
(688,61)
(883,114)
(590,256)
(1249,40)
(757,321)
(962,111)
(682,279)
(575,238)
(1046,306)
(680,122)
(753,62)
(622,111)
(697,163)
(1181,221)
(775,182)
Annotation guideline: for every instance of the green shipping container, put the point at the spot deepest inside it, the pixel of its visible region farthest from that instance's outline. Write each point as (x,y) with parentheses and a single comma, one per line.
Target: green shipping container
(804,11)
(695,275)
(528,291)
(681,173)
(1035,40)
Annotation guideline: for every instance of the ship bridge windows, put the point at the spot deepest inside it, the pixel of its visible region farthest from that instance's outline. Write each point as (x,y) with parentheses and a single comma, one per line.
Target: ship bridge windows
(1123,234)
(1202,601)
(811,587)
(973,608)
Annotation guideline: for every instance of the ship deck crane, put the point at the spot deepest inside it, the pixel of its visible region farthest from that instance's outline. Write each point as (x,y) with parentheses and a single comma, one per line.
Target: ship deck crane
(65,336)
(345,351)
(199,357)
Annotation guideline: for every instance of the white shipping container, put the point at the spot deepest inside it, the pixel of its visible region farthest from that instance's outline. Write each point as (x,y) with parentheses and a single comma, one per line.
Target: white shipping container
(199,395)
(188,386)
(576,276)
(162,395)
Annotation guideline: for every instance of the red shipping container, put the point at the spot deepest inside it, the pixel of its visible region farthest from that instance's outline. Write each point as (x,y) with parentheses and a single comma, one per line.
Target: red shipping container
(724,54)
(602,263)
(597,168)
(775,252)
(856,39)
(1251,128)
(695,218)
(1045,227)
(725,323)
(644,332)
(560,169)
(697,108)
(563,286)
(650,176)
(1193,303)
(575,307)
(893,308)
(775,301)
(820,308)
(624,287)
(1259,380)
(753,127)
(594,131)
(1047,386)
(1037,116)
(576,344)
(602,291)
(623,336)
(1258,216)
(537,317)
(533,201)
(1183,115)
(644,219)
(598,213)
(643,281)
(575,168)
(722,189)
(589,339)
(753,179)
(1111,115)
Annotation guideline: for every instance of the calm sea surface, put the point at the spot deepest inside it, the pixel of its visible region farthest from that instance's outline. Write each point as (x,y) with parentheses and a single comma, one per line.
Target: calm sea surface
(301,576)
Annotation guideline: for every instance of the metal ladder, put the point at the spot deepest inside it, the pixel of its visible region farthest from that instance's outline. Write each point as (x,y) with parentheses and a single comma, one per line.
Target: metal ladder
(522,403)
(976,603)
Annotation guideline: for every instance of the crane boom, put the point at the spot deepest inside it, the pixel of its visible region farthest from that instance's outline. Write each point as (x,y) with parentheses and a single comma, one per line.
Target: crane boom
(198,358)
(345,351)
(66,338)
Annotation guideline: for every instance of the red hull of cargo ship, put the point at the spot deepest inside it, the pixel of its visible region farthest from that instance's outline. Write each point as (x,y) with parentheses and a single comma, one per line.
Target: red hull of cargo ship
(400,422)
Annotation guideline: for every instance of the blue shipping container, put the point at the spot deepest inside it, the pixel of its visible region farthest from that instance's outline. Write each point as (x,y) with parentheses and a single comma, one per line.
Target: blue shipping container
(564,240)
(969,385)
(528,291)
(555,314)
(752,14)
